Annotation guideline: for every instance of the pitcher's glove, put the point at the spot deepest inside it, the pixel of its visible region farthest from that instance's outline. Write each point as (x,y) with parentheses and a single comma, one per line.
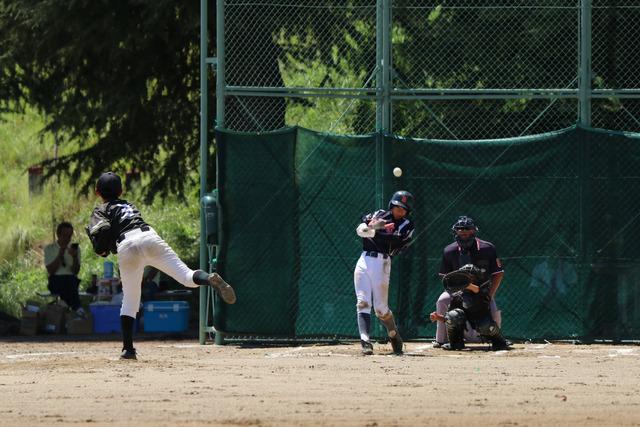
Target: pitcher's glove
(458,280)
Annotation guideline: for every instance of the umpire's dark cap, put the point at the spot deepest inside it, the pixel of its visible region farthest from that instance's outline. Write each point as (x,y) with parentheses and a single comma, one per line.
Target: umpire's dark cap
(109,185)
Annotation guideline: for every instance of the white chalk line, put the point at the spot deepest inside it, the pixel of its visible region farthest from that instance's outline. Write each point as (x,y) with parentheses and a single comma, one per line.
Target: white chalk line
(53,353)
(296,352)
(178,345)
(288,353)
(622,352)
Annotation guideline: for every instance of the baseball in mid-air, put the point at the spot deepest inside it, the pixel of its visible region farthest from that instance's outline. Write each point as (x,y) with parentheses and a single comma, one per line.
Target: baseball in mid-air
(397,172)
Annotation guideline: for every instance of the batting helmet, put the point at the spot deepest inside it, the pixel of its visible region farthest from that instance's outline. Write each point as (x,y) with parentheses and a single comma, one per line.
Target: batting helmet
(109,185)
(402,198)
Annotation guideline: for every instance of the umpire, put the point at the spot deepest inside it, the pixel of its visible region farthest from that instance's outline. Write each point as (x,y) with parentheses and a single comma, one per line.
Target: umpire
(468,249)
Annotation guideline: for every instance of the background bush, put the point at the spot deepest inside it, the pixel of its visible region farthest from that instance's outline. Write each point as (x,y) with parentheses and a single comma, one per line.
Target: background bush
(29,221)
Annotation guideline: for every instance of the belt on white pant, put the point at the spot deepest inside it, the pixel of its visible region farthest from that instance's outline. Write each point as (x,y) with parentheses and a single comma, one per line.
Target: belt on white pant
(374,254)
(133,232)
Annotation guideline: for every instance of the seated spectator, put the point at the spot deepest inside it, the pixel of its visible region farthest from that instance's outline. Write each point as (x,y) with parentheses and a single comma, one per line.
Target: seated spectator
(93,286)
(62,260)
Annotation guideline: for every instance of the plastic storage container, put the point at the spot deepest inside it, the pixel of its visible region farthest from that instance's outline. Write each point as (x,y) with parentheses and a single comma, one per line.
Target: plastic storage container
(166,316)
(106,318)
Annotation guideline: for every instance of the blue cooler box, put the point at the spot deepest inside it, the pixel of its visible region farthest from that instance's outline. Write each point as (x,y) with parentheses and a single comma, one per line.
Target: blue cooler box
(166,316)
(106,318)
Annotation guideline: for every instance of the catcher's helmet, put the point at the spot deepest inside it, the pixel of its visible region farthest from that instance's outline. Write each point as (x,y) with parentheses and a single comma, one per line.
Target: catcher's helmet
(464,223)
(402,198)
(109,185)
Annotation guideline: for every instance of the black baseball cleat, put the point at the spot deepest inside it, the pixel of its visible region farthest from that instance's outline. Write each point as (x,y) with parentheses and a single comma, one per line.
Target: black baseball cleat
(367,348)
(453,347)
(437,344)
(225,290)
(396,343)
(128,354)
(500,345)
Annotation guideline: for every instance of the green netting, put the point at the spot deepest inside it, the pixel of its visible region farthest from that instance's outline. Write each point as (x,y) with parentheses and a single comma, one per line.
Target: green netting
(560,207)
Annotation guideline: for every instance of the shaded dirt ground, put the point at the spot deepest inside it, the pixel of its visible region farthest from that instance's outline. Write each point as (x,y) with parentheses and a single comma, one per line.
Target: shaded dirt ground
(182,383)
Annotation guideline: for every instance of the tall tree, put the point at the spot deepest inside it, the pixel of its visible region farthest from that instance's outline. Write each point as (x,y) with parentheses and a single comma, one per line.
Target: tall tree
(119,77)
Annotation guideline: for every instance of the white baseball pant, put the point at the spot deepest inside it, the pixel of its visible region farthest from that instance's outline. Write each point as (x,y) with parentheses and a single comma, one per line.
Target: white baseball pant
(139,249)
(371,279)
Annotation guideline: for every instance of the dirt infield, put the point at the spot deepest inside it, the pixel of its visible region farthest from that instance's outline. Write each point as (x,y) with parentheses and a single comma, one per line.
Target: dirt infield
(183,383)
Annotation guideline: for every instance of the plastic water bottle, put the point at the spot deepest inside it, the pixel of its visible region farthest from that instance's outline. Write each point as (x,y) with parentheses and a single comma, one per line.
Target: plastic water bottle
(108,270)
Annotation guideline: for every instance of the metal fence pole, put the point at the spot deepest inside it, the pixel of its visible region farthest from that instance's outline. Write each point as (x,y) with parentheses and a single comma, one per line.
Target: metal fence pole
(386,66)
(220,110)
(585,63)
(204,90)
(383,90)
(584,97)
(220,68)
(379,101)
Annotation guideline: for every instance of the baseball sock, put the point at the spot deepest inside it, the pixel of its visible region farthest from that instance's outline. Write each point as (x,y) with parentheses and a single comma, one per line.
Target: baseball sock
(200,278)
(127,332)
(364,325)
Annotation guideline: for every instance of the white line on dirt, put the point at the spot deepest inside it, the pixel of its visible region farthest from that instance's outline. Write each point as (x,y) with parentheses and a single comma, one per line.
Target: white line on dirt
(178,345)
(288,353)
(421,348)
(622,352)
(23,355)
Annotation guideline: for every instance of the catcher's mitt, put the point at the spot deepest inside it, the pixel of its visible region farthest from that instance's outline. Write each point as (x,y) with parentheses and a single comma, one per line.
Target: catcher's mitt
(458,280)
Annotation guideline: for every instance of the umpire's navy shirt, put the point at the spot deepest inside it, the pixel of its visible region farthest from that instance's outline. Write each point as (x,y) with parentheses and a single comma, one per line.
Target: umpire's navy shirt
(483,255)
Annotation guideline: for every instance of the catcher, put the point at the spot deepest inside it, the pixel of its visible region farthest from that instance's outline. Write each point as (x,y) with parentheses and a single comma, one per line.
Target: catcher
(468,249)
(470,301)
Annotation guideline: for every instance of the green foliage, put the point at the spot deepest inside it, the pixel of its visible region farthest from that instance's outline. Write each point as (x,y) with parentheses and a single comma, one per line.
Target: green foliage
(179,225)
(20,279)
(29,221)
(117,81)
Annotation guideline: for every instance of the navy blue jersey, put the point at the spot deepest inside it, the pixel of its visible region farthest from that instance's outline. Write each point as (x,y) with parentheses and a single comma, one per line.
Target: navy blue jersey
(483,255)
(124,216)
(388,243)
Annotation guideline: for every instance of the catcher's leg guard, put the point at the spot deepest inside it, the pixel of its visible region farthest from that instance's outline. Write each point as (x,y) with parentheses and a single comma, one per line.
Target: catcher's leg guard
(455,321)
(490,331)
(389,323)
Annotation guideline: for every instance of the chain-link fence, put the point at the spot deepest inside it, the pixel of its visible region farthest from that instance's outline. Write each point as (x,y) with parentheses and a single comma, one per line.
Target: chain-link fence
(484,100)
(555,205)
(450,69)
